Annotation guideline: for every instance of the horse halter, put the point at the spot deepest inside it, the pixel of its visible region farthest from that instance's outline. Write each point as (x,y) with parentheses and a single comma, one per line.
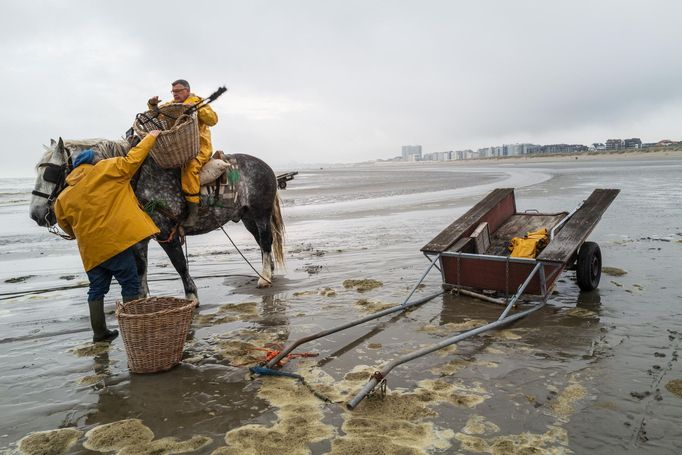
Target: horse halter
(55,173)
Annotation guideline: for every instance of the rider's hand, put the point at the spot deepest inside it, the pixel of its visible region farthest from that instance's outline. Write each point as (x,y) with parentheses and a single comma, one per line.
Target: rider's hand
(154,133)
(153,101)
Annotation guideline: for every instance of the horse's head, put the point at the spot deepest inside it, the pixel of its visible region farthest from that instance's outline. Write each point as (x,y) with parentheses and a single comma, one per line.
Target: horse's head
(51,180)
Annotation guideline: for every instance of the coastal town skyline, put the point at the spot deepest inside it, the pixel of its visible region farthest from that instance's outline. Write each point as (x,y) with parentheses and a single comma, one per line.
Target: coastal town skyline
(415,152)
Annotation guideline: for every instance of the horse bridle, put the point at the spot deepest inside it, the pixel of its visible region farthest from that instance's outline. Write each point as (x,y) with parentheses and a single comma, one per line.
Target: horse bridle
(55,173)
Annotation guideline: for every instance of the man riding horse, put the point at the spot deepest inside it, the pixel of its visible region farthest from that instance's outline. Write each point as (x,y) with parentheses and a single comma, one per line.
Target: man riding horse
(190,171)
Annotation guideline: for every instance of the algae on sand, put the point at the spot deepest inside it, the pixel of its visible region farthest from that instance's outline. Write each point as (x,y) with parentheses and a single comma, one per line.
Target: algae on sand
(116,435)
(675,387)
(53,442)
(362,285)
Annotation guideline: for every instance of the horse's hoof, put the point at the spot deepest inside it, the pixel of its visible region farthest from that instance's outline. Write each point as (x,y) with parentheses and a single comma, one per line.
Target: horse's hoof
(263,284)
(193,297)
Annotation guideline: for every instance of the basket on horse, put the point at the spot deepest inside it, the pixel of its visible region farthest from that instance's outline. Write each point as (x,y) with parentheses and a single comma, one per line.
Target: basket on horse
(178,142)
(154,331)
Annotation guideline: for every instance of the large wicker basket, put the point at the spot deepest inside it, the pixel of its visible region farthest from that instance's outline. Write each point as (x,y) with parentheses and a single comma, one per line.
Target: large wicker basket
(178,142)
(154,331)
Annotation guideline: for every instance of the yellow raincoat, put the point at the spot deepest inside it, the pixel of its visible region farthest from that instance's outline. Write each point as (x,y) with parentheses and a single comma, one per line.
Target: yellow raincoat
(190,171)
(530,245)
(99,208)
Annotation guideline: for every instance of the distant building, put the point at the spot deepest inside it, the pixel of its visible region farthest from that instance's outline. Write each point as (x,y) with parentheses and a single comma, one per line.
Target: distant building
(614,144)
(483,153)
(634,143)
(563,148)
(598,146)
(412,152)
(520,149)
(463,154)
(514,149)
(438,156)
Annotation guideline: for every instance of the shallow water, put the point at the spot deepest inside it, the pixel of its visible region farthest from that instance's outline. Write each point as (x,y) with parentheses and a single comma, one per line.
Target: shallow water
(587,373)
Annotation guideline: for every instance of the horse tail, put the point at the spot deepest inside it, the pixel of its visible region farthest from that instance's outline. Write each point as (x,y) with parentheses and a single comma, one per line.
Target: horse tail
(277,228)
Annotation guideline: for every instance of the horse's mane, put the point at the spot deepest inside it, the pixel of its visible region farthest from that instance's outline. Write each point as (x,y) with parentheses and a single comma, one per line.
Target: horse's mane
(107,148)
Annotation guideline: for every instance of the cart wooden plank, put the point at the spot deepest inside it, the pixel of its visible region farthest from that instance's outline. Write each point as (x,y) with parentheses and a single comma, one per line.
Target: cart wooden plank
(494,209)
(571,236)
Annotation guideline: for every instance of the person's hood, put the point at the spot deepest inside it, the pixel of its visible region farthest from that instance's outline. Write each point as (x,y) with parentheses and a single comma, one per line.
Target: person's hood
(78,174)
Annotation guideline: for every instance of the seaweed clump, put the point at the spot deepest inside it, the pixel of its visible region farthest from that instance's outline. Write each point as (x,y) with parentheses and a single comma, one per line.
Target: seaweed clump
(362,285)
(52,442)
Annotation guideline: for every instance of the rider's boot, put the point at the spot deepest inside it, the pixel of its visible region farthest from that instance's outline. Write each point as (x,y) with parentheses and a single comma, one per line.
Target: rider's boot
(192,215)
(99,323)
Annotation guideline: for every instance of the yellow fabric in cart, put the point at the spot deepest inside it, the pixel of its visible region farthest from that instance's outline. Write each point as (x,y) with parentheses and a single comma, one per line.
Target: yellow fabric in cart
(530,245)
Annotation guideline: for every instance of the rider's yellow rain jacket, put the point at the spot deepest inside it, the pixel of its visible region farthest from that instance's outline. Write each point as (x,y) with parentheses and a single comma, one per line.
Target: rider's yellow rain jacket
(207,117)
(99,208)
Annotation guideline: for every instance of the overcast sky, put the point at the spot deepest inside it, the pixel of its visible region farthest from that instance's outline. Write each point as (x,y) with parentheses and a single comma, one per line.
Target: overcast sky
(344,81)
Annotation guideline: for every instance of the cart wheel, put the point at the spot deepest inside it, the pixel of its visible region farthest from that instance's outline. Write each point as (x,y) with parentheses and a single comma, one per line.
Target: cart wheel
(282,185)
(588,267)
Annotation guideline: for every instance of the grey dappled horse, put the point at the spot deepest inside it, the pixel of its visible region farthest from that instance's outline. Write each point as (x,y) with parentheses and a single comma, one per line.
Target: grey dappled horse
(257,205)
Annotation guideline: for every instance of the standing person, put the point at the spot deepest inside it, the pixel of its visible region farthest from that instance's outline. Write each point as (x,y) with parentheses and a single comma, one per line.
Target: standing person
(190,171)
(99,209)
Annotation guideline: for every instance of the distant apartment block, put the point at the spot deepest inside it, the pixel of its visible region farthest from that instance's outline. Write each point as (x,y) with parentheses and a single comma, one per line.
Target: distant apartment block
(411,152)
(563,148)
(437,156)
(634,143)
(508,150)
(466,154)
(614,144)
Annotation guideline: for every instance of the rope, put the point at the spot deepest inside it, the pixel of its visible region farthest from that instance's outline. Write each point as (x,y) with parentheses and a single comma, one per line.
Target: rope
(186,255)
(242,255)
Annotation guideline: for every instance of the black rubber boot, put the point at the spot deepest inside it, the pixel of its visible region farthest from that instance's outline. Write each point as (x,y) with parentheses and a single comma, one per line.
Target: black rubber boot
(192,215)
(99,323)
(130,299)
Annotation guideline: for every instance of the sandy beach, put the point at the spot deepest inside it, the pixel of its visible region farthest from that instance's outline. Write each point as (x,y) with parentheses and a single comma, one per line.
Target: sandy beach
(593,372)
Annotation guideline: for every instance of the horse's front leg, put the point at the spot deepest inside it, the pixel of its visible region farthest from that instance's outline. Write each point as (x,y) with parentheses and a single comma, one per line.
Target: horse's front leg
(265,279)
(140,251)
(174,251)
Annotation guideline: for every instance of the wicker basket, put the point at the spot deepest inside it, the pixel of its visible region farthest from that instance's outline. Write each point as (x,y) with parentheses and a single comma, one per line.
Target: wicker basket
(154,331)
(178,142)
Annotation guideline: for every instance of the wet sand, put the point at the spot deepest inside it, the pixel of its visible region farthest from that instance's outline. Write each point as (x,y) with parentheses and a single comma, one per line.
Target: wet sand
(591,372)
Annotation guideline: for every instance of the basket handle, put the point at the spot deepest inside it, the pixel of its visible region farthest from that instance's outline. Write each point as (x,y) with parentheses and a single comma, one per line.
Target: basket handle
(143,119)
(179,120)
(119,307)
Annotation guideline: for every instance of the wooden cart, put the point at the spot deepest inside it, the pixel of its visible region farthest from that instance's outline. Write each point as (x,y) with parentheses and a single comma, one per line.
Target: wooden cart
(282,179)
(474,251)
